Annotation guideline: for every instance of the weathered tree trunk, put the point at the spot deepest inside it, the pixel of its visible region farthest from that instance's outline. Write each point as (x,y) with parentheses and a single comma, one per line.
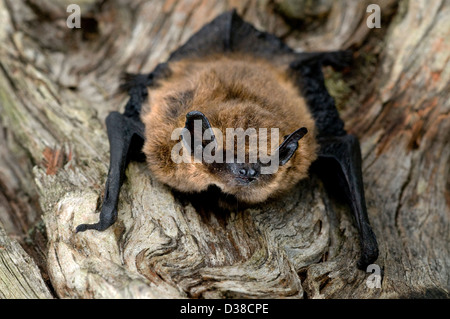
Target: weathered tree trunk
(58,84)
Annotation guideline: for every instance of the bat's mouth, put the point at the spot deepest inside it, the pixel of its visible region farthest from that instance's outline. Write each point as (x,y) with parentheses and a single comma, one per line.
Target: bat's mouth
(244,180)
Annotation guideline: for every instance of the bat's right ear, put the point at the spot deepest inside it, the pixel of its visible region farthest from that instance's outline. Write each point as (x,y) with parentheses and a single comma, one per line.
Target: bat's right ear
(287,149)
(197,132)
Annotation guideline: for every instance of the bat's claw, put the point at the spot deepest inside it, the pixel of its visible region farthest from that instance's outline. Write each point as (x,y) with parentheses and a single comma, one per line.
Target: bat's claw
(97,226)
(366,259)
(84,227)
(107,218)
(369,250)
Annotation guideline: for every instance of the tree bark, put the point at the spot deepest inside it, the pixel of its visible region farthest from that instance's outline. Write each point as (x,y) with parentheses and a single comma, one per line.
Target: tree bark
(58,84)
(19,276)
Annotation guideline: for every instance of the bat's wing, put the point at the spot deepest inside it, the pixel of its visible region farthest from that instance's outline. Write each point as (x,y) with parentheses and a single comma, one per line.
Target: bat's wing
(340,154)
(126,138)
(340,163)
(229,33)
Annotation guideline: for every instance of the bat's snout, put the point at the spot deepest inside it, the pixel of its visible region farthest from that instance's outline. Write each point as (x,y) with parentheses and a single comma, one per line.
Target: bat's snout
(245,173)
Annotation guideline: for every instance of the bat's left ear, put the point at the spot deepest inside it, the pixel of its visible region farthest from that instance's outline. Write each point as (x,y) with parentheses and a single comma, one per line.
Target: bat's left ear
(197,125)
(290,145)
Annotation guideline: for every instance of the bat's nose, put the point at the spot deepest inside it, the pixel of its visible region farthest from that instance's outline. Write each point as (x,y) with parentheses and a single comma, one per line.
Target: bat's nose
(248,172)
(245,173)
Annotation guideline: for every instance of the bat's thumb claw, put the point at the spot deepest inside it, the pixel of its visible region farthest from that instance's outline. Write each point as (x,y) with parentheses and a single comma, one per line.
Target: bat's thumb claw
(369,255)
(82,228)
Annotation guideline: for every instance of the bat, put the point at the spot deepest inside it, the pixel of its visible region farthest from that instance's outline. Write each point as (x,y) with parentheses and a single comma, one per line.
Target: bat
(191,117)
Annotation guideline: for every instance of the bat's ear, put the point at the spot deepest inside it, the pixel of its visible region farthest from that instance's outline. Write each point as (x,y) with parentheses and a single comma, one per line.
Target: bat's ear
(197,132)
(290,145)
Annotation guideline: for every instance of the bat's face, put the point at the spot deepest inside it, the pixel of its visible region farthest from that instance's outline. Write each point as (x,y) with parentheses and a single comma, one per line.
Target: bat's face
(236,94)
(252,168)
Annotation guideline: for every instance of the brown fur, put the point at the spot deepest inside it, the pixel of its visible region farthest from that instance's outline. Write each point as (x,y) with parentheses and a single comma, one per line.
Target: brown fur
(233,92)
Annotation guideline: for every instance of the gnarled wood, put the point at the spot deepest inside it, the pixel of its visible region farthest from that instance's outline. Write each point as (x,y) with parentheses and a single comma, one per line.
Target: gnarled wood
(57,85)
(19,276)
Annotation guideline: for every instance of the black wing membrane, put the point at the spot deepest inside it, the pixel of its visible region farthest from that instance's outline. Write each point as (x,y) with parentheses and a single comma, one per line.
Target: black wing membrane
(229,33)
(126,139)
(339,159)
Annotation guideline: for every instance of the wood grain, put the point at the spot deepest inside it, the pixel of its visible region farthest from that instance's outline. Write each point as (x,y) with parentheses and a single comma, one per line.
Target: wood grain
(57,85)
